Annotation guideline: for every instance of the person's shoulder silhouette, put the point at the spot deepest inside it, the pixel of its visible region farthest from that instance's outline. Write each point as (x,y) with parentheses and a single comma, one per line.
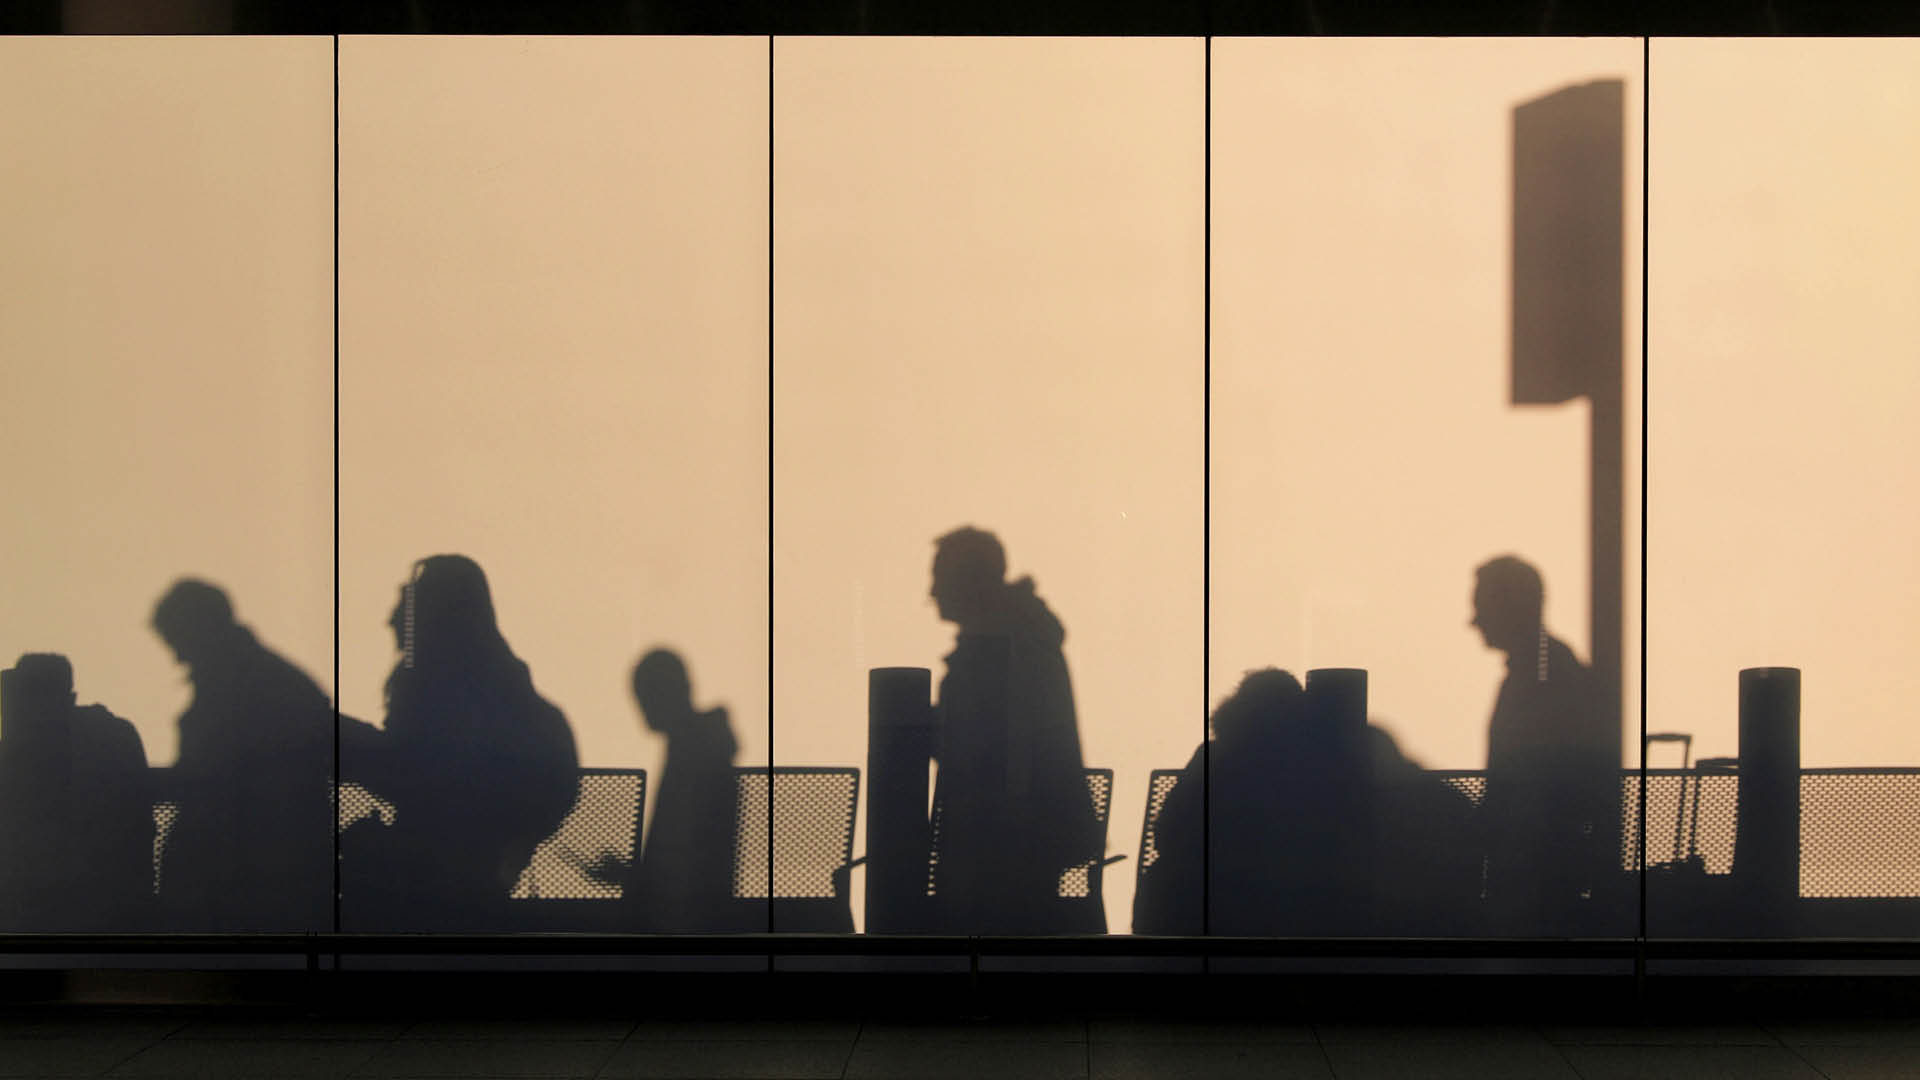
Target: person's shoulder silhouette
(252,845)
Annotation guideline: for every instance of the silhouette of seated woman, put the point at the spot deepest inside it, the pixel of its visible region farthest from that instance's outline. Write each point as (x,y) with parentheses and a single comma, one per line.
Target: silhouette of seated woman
(1550,817)
(1011,789)
(252,847)
(684,880)
(478,766)
(76,807)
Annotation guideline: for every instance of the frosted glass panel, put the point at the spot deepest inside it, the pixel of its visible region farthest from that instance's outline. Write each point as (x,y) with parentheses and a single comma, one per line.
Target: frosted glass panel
(554,367)
(988,402)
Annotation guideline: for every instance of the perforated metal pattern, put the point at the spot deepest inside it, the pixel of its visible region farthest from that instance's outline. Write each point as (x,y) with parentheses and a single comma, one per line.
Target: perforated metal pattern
(813,831)
(1857,830)
(1857,827)
(599,830)
(575,863)
(750,820)
(1159,786)
(1077,881)
(1471,784)
(164,815)
(357,804)
(1673,801)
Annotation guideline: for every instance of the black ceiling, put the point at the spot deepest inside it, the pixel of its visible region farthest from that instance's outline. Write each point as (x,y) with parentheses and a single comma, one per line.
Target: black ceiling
(986,17)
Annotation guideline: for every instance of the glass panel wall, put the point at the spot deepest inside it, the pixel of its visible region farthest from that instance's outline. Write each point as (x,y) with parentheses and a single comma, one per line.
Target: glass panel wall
(553,482)
(1424,468)
(1783,594)
(166,619)
(988,407)
(978,438)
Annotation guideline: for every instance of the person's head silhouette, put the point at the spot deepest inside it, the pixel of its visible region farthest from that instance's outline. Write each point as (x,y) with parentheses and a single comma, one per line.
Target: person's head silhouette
(663,690)
(1507,601)
(1259,704)
(969,573)
(33,693)
(445,613)
(196,621)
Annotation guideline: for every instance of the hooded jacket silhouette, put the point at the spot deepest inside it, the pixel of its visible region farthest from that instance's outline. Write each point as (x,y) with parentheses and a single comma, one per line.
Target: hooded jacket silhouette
(1012,806)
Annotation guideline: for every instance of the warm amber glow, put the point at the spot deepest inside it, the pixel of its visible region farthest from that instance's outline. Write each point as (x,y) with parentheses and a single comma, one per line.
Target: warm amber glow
(989,270)
(166,351)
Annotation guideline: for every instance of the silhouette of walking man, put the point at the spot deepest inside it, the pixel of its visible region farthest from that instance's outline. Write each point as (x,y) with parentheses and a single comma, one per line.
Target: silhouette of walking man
(1550,818)
(76,807)
(252,848)
(1011,791)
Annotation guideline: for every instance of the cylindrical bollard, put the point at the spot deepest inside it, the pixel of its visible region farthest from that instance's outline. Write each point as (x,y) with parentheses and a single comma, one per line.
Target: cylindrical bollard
(1766,852)
(900,734)
(1337,698)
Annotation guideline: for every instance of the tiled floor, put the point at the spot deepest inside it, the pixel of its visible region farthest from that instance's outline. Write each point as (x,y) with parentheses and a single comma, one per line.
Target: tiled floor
(218,1045)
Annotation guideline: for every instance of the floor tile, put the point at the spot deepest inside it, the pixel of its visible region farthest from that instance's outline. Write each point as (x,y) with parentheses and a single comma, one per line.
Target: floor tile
(746,1031)
(934,1060)
(1426,1034)
(518,1030)
(1849,1033)
(66,1055)
(877,1031)
(1865,1062)
(86,1025)
(489,1058)
(260,1029)
(1534,1060)
(224,1058)
(1658,1035)
(1688,1063)
(1207,1061)
(731,1060)
(1127,1032)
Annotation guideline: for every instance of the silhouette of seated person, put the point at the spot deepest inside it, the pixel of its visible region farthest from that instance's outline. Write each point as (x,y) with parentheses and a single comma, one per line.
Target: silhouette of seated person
(1550,817)
(1427,865)
(76,807)
(683,881)
(252,847)
(478,766)
(1011,789)
(1287,793)
(1312,831)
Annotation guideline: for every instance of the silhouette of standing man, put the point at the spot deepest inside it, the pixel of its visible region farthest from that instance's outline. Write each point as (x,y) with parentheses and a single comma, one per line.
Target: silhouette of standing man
(1012,793)
(76,808)
(1550,818)
(252,848)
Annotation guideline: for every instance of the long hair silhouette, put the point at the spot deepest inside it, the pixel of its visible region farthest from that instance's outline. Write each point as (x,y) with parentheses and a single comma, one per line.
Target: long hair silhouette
(480,768)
